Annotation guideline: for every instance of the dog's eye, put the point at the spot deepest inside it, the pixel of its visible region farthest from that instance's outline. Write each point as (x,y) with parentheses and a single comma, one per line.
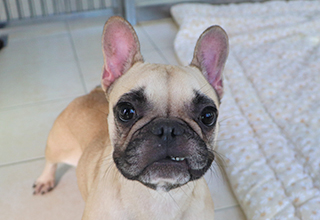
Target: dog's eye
(208,116)
(126,112)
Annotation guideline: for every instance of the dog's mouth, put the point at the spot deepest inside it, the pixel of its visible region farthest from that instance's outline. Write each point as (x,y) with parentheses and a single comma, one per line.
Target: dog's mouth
(167,167)
(171,172)
(168,172)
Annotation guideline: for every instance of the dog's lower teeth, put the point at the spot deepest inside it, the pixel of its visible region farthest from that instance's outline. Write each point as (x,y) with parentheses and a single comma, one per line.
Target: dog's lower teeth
(177,158)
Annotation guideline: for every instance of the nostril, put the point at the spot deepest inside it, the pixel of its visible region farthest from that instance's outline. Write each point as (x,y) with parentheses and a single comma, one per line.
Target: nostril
(167,130)
(177,131)
(173,133)
(157,130)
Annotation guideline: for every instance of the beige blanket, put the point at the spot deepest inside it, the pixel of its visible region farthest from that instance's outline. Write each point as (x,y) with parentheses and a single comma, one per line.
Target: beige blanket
(270,114)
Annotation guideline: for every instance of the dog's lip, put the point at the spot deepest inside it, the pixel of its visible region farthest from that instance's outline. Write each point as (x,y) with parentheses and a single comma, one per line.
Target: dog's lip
(169,165)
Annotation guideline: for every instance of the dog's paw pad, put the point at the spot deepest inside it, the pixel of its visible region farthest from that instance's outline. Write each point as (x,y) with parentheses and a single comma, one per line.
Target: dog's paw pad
(42,187)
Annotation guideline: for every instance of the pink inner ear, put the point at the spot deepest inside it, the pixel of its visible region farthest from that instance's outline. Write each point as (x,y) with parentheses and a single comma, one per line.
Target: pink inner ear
(213,51)
(119,47)
(212,69)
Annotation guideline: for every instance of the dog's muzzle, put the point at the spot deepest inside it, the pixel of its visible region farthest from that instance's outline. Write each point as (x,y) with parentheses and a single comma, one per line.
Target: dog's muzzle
(164,153)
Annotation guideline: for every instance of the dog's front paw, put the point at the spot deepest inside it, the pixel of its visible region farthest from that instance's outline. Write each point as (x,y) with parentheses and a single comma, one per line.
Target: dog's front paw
(42,186)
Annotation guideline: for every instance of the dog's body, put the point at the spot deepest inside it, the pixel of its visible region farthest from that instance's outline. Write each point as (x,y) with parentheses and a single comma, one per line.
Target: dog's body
(142,152)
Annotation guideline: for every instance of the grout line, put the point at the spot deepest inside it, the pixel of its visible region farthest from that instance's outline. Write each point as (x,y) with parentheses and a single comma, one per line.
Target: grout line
(151,22)
(76,57)
(162,55)
(158,49)
(31,104)
(34,38)
(147,36)
(154,44)
(21,161)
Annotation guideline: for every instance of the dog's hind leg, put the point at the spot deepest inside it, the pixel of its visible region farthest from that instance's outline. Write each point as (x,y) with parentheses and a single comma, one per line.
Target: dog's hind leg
(84,119)
(59,150)
(62,147)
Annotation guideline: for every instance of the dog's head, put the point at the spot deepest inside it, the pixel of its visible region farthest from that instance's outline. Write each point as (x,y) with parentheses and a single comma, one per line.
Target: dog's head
(162,118)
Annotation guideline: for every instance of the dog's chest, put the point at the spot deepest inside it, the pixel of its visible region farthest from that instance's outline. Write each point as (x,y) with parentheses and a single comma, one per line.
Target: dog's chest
(151,204)
(160,209)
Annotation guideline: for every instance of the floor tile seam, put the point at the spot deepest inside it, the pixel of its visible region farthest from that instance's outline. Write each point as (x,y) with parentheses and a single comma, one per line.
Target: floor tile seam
(92,58)
(153,22)
(154,45)
(148,38)
(166,47)
(143,51)
(76,58)
(3,165)
(86,28)
(34,38)
(32,104)
(159,49)
(163,56)
(43,62)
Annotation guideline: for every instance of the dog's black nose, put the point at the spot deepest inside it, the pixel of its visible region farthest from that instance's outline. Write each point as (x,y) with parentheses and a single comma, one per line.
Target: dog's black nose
(167,129)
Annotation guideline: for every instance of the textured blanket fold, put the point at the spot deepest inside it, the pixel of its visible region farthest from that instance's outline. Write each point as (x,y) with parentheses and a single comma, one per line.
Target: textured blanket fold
(270,113)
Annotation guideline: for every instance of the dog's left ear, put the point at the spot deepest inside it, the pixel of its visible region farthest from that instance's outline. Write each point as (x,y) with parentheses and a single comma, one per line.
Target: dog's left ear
(121,49)
(210,56)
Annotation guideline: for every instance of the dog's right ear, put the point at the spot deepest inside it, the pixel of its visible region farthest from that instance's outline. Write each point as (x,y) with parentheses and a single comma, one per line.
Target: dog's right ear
(210,56)
(121,49)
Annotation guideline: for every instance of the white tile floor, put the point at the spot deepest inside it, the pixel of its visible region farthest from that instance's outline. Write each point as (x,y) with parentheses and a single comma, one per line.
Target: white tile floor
(42,69)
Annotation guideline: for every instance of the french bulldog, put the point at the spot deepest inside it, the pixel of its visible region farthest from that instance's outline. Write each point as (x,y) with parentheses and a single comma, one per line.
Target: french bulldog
(144,139)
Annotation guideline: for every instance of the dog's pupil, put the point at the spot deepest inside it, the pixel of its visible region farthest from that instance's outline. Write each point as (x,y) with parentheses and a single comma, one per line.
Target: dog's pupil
(127,113)
(208,116)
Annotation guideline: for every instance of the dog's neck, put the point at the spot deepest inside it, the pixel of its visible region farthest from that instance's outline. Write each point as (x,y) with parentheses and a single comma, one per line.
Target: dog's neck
(168,205)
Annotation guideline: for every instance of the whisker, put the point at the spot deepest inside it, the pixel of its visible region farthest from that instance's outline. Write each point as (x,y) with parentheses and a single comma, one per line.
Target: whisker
(226,118)
(219,163)
(226,139)
(108,164)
